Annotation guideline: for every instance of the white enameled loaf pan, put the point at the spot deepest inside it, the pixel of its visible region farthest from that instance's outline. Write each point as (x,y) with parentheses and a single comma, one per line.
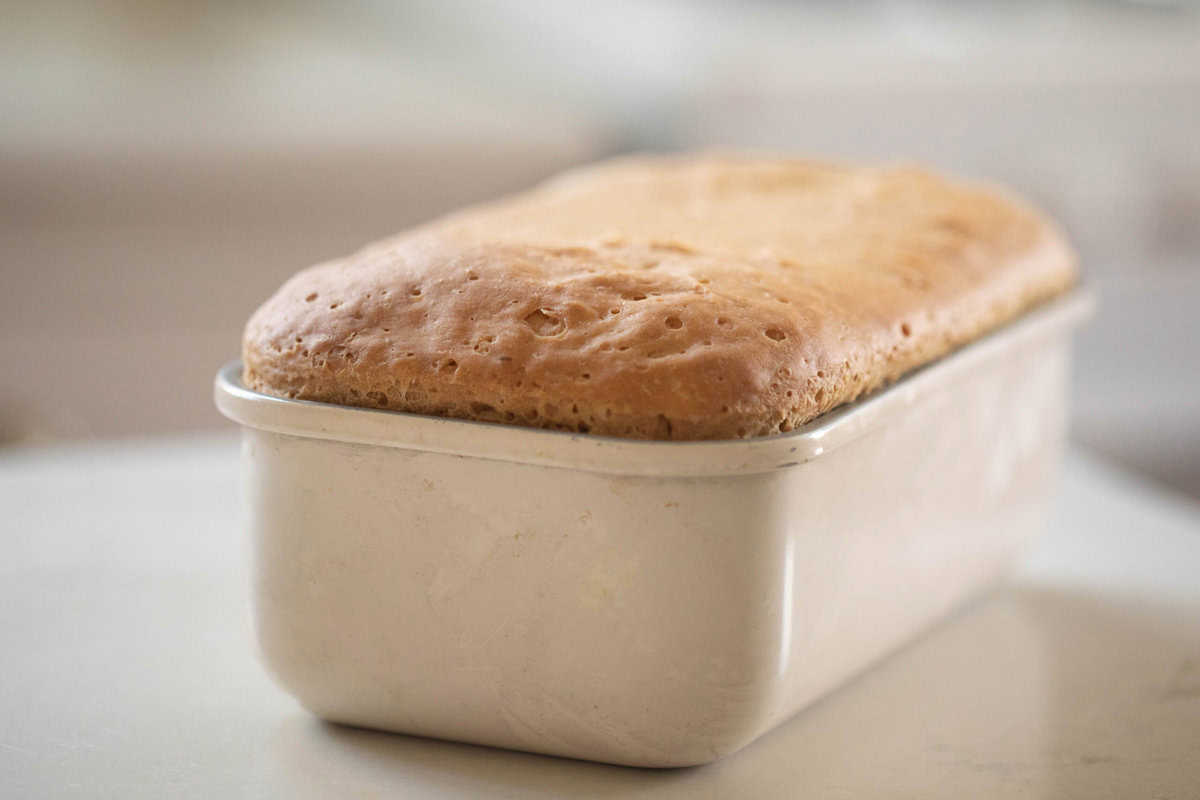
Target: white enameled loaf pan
(643,603)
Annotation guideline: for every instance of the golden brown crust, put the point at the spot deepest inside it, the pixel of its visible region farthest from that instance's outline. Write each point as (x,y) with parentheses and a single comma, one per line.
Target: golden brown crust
(687,298)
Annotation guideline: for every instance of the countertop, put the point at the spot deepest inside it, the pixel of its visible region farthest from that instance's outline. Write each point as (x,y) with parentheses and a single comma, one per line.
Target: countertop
(129,669)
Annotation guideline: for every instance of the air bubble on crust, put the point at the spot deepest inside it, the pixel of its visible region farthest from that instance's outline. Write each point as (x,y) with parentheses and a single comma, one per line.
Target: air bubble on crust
(674,323)
(311,297)
(543,324)
(775,334)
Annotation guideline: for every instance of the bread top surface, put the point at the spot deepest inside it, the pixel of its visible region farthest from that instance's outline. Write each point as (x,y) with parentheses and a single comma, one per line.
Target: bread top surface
(662,298)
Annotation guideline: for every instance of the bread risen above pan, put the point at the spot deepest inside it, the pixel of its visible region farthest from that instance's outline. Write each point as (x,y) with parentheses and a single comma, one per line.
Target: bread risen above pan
(662,298)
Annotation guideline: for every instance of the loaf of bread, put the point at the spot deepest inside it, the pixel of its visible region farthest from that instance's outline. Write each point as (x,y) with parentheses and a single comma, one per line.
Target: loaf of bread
(662,298)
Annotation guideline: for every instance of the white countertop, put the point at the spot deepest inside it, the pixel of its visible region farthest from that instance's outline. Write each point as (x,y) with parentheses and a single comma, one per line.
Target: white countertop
(127,666)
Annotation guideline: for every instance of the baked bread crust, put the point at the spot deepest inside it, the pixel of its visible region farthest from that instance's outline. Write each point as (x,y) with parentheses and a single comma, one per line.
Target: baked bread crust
(662,298)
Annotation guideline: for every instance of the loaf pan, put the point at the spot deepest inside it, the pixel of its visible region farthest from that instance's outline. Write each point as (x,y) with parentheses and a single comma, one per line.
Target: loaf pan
(642,603)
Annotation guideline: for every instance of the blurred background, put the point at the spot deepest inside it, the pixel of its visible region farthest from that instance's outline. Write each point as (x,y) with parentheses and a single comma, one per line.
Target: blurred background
(165,165)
